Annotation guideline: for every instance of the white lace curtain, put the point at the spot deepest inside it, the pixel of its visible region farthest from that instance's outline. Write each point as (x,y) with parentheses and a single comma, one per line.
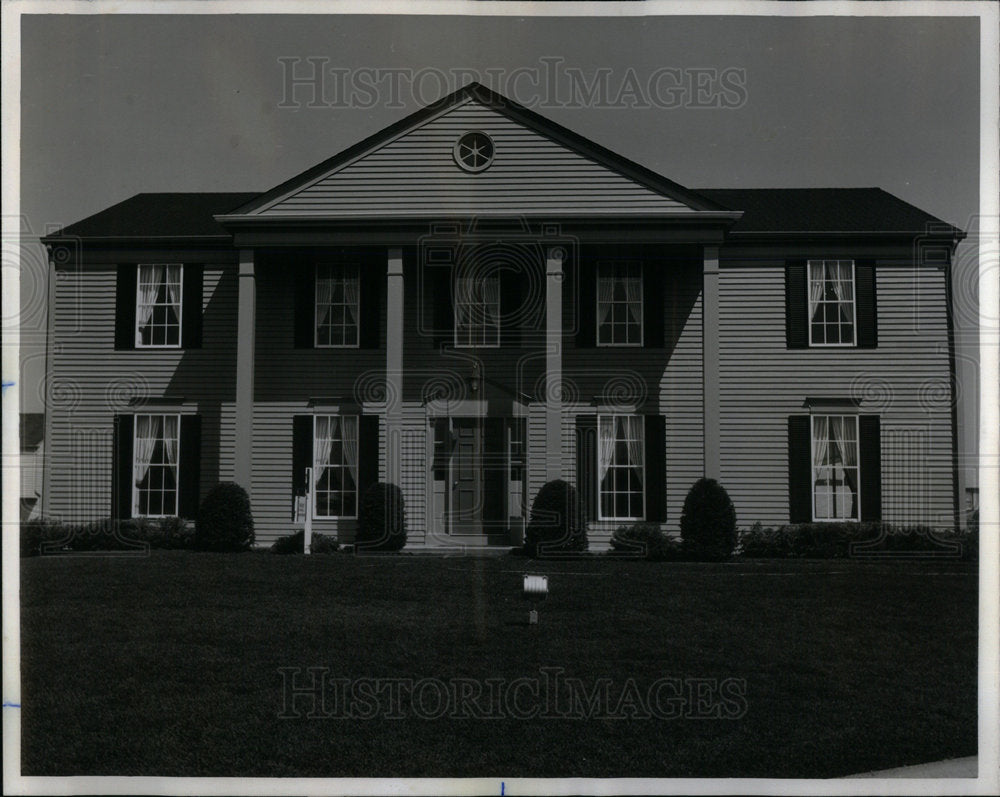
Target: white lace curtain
(632,428)
(329,428)
(633,295)
(351,292)
(150,280)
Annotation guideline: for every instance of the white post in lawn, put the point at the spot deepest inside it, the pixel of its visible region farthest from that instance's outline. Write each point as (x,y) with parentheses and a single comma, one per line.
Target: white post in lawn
(553,362)
(307,534)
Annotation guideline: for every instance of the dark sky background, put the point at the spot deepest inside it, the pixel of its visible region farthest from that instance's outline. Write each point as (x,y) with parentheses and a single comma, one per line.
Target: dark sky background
(117,105)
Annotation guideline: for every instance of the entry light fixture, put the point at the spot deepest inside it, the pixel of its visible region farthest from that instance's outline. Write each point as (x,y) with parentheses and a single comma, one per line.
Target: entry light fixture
(536,588)
(475,379)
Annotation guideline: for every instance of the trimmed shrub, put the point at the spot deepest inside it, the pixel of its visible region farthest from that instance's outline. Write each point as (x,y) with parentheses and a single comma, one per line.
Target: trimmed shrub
(838,540)
(382,520)
(295,543)
(169,533)
(708,522)
(225,521)
(136,534)
(646,540)
(558,522)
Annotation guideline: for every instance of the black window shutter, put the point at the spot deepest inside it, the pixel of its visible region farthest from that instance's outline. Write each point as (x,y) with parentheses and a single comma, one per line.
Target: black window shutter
(865,304)
(586,462)
(799,469)
(510,308)
(652,305)
(121,482)
(368,450)
(586,310)
(193,278)
(373,275)
(442,313)
(495,467)
(305,307)
(302,451)
(125,298)
(656,468)
(796,305)
(869,430)
(189,482)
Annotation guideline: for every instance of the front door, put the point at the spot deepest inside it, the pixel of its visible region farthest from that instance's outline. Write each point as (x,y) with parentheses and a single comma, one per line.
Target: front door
(467,477)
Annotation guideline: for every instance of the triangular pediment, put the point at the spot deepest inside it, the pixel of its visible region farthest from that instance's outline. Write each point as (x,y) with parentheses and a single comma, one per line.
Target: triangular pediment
(537,167)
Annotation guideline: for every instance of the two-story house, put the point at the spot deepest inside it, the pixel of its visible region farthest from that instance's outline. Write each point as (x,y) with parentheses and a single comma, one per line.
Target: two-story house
(476,300)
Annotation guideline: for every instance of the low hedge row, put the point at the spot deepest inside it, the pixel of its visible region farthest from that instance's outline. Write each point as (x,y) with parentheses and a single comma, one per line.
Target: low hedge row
(42,536)
(295,543)
(854,540)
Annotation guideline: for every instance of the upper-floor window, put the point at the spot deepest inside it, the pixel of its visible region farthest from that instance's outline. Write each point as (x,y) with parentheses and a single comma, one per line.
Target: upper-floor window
(619,303)
(158,305)
(477,311)
(621,463)
(335,465)
(338,306)
(832,312)
(155,465)
(835,467)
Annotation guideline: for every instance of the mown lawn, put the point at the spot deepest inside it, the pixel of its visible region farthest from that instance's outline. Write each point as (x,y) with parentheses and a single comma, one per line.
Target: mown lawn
(171,665)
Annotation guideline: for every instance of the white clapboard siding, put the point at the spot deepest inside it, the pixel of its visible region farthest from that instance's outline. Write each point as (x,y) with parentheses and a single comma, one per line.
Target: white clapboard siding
(91,383)
(416,174)
(905,381)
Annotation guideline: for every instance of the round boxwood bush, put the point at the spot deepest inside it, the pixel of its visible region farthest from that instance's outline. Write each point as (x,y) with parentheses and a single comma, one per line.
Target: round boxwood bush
(225,522)
(382,520)
(708,521)
(558,523)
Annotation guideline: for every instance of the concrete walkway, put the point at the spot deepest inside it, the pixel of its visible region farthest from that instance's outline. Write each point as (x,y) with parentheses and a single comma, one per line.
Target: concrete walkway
(951,768)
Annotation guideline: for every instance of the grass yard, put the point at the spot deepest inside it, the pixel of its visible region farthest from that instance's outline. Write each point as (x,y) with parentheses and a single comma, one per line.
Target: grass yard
(171,665)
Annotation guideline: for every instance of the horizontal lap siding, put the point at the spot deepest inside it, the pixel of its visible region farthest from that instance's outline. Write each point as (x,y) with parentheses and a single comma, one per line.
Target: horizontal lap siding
(417,174)
(91,382)
(905,380)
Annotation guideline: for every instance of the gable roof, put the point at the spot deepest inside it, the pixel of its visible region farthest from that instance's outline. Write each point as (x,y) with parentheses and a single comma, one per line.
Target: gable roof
(775,211)
(175,215)
(407,169)
(790,211)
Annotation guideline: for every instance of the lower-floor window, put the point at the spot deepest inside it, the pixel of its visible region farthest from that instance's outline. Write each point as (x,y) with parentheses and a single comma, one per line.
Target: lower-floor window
(335,465)
(835,468)
(155,465)
(621,464)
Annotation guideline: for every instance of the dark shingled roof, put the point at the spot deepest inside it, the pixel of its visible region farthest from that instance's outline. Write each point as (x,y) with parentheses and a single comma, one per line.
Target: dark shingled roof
(823,210)
(766,210)
(159,216)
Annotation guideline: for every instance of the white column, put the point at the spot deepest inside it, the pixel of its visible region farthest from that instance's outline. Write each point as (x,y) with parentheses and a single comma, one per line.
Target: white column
(710,360)
(394,366)
(553,362)
(246,330)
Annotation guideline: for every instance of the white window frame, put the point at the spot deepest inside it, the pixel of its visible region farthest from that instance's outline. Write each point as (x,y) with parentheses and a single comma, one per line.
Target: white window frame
(812,465)
(136,332)
(642,305)
(642,439)
(316,309)
(343,465)
(456,314)
(177,474)
(854,302)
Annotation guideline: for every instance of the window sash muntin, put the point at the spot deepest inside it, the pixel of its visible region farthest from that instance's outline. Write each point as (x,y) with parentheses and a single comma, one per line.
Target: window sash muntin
(474,322)
(633,271)
(830,470)
(167,326)
(834,306)
(160,469)
(619,473)
(337,274)
(339,470)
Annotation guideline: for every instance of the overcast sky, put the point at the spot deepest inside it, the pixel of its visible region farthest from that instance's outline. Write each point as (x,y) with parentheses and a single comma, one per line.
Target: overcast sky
(117,105)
